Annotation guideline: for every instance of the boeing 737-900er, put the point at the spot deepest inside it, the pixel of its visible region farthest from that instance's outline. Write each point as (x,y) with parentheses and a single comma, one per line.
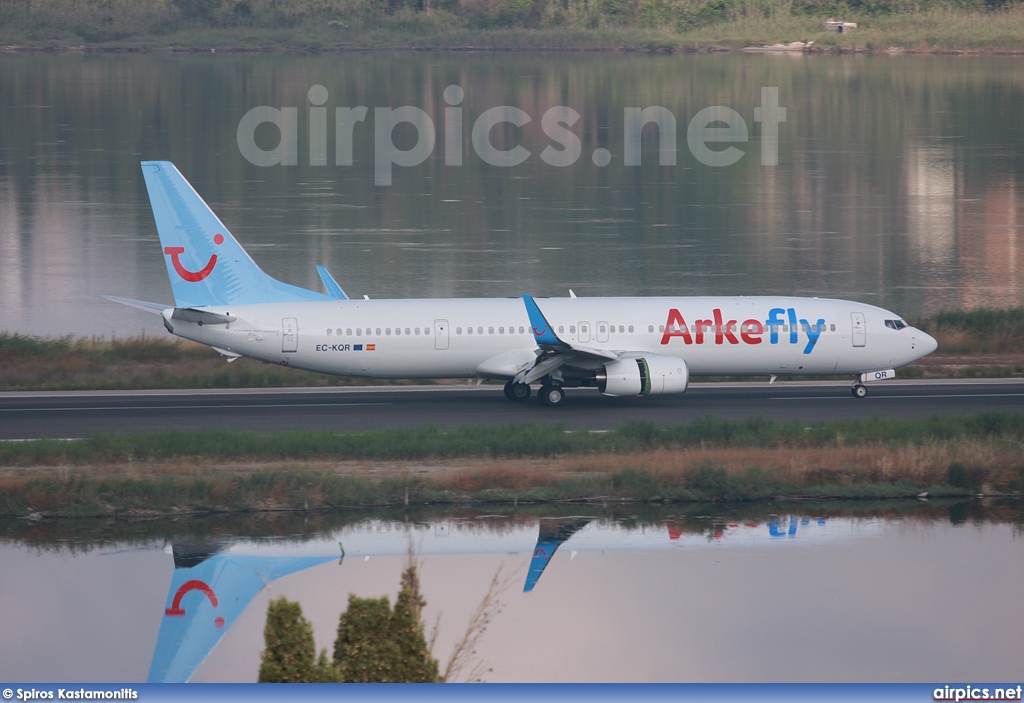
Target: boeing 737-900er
(621,346)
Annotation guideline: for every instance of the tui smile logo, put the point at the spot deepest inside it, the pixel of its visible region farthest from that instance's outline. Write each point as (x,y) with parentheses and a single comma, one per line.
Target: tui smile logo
(193,276)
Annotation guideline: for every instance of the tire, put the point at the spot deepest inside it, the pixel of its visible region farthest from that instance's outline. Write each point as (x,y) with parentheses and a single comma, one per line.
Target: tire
(517,391)
(551,396)
(859,391)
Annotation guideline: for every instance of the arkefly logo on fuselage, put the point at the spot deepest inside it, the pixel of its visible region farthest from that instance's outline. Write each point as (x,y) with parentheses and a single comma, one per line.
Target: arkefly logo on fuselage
(748,332)
(193,276)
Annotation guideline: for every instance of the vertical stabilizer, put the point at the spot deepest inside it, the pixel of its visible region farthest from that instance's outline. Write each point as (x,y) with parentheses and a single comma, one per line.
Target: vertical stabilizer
(204,262)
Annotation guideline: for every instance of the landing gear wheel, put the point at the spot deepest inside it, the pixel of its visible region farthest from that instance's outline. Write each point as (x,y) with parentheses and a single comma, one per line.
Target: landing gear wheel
(859,391)
(517,391)
(551,396)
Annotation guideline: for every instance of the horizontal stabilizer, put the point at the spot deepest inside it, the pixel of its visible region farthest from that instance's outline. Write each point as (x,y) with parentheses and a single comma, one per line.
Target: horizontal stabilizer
(154,308)
(204,317)
(330,285)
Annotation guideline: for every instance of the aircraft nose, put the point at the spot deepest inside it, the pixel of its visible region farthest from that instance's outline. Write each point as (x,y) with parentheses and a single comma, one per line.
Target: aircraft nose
(924,343)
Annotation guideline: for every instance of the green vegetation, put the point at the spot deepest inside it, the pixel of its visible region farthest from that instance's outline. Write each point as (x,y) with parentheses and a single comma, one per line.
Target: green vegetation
(980,331)
(706,460)
(289,656)
(511,441)
(566,24)
(68,363)
(376,644)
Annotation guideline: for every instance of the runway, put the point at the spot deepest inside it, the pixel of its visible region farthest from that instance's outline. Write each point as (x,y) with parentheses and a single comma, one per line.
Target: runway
(77,413)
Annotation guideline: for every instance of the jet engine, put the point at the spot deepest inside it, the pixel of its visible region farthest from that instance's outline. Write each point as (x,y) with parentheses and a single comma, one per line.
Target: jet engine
(649,375)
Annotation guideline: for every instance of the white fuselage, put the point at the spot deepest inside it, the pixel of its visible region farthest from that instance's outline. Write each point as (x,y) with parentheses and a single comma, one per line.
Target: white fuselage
(492,338)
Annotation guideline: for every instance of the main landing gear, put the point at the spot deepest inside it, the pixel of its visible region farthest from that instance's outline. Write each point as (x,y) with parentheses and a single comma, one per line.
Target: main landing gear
(859,390)
(517,391)
(550,394)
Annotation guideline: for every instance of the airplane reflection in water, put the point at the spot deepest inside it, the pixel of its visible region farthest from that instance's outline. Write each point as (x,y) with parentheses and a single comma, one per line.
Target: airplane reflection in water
(214,582)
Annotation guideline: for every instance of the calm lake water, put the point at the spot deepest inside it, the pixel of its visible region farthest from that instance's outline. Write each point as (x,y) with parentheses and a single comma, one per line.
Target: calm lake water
(832,592)
(898,179)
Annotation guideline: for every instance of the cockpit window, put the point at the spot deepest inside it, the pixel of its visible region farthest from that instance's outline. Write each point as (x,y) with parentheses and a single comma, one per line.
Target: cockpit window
(895,324)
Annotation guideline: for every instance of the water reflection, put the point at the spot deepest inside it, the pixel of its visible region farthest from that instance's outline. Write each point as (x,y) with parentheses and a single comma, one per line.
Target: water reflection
(603,579)
(898,183)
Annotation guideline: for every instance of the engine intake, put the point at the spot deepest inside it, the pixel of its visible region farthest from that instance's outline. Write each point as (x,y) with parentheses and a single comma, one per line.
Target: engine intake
(649,375)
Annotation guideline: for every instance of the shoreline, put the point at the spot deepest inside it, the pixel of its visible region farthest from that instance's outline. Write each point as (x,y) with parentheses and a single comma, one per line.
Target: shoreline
(709,49)
(463,27)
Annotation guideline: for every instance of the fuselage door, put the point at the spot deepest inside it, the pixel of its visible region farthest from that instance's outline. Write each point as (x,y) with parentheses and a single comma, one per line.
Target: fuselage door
(602,331)
(289,334)
(440,334)
(860,333)
(584,332)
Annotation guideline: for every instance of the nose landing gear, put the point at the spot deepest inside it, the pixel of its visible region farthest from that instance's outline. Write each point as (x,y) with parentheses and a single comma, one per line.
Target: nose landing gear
(859,390)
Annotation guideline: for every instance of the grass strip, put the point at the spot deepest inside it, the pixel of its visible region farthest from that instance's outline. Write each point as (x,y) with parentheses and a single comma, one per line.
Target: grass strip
(706,460)
(519,440)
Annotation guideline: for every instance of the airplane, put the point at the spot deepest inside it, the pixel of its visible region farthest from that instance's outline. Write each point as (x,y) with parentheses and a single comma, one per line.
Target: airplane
(635,346)
(214,582)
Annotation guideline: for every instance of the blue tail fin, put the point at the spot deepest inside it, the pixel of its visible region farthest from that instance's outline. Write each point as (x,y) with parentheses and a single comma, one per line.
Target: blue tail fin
(205,263)
(225,584)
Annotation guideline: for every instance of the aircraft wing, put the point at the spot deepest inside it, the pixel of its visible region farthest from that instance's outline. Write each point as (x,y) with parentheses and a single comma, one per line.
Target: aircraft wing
(554,352)
(330,285)
(552,534)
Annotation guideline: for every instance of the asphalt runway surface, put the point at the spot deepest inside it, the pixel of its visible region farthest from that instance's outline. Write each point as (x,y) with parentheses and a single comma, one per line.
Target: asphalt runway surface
(77,413)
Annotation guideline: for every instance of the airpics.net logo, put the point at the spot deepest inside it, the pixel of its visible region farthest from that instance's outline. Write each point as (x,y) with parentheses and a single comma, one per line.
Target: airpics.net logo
(711,134)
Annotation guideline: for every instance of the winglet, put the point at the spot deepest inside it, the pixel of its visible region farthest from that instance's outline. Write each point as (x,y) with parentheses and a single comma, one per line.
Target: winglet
(543,333)
(330,285)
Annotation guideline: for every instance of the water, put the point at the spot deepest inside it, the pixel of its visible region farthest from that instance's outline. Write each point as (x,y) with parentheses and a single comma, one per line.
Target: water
(830,592)
(898,180)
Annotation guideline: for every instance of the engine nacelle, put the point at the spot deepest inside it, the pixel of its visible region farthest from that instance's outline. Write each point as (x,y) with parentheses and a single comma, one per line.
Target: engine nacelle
(649,375)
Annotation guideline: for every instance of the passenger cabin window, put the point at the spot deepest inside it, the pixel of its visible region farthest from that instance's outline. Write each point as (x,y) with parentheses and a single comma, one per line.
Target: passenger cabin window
(328,333)
(631,329)
(650,328)
(348,331)
(832,328)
